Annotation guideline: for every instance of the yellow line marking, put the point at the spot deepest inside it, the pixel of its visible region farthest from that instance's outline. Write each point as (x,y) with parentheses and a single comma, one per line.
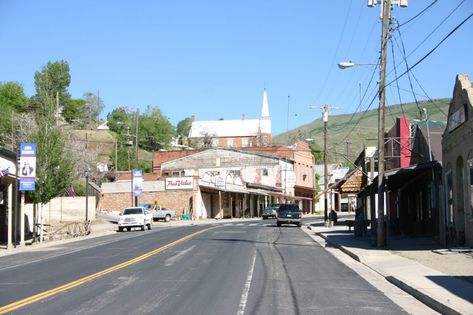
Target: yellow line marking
(43,295)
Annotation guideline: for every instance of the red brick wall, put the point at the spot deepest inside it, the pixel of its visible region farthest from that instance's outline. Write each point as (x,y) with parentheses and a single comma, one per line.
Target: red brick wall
(179,200)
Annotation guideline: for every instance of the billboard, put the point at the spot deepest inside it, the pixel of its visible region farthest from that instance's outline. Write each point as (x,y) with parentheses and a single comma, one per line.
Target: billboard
(137,183)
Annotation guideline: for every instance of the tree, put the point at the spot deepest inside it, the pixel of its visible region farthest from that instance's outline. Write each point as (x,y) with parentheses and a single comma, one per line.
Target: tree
(75,111)
(12,100)
(118,120)
(53,162)
(183,128)
(317,153)
(155,130)
(93,106)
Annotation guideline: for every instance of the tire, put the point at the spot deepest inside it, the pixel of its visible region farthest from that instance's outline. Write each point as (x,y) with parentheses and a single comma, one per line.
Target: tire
(143,227)
(120,229)
(299,224)
(128,228)
(278,224)
(149,226)
(264,218)
(167,218)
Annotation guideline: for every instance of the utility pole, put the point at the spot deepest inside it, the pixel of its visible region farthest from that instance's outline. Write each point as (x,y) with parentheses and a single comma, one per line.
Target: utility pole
(325,119)
(136,148)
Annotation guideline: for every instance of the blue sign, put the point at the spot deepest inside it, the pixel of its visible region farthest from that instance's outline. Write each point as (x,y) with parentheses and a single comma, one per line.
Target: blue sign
(137,183)
(27,166)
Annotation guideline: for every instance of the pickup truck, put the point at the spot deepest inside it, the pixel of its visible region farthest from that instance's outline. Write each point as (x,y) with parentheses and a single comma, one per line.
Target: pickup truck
(135,217)
(160,213)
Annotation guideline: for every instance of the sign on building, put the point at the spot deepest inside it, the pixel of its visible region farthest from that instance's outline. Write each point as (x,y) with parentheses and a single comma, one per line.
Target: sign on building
(173,183)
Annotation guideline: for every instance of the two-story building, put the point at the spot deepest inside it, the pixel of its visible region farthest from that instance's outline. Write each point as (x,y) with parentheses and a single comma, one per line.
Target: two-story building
(457,147)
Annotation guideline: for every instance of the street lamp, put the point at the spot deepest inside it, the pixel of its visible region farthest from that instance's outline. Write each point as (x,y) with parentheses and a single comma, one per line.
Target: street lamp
(349,64)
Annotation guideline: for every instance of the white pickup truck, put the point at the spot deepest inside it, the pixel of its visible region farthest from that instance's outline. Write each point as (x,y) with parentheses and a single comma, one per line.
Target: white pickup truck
(135,217)
(159,213)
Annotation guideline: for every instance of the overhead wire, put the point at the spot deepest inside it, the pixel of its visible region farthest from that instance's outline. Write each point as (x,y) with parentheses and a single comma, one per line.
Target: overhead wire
(336,51)
(431,51)
(418,14)
(403,51)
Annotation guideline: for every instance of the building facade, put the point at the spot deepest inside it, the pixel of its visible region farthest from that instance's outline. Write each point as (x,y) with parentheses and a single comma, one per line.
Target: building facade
(457,147)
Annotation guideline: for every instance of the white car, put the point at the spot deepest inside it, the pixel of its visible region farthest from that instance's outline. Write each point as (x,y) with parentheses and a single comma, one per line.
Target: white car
(135,217)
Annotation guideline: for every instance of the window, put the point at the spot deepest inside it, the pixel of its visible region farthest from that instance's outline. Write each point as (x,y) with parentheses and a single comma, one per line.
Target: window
(470,166)
(235,172)
(176,173)
(304,177)
(244,142)
(230,142)
(214,142)
(449,196)
(265,172)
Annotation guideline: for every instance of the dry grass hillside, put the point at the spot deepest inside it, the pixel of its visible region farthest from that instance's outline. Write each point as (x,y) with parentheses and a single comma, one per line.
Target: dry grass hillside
(355,131)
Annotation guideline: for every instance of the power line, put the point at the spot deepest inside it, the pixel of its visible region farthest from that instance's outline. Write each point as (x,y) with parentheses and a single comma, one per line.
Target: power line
(418,14)
(432,50)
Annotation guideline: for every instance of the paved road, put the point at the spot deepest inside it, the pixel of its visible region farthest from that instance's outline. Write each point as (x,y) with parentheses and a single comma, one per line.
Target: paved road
(239,268)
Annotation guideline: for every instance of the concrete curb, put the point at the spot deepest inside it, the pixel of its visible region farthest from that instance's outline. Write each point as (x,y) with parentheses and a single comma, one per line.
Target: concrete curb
(427,300)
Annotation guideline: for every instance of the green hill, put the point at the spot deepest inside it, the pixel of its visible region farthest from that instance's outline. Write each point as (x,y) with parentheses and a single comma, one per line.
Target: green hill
(360,129)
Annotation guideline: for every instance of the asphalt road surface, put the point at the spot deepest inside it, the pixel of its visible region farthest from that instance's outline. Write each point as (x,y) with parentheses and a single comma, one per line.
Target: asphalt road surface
(240,268)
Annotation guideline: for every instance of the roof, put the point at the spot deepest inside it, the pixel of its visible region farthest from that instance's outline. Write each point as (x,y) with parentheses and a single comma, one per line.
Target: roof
(230,128)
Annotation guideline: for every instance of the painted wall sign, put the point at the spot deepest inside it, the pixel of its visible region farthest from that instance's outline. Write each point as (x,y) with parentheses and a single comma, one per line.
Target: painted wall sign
(172,183)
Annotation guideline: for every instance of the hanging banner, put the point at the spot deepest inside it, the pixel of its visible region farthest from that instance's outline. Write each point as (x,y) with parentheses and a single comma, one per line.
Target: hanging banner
(27,166)
(137,183)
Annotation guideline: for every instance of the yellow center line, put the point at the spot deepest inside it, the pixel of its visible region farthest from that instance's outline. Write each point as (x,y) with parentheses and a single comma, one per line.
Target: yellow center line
(43,295)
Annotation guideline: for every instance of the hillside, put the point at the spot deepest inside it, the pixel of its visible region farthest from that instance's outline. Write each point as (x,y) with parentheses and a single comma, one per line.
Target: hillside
(359,130)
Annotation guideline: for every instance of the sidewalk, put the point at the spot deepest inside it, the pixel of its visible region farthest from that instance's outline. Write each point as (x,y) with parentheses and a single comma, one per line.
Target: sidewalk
(444,282)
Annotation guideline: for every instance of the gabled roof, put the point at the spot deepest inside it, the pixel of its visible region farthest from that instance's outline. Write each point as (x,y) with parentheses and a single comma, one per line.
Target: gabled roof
(230,128)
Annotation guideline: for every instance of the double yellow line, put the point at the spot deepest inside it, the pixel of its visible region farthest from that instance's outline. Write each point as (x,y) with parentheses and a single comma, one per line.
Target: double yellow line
(43,295)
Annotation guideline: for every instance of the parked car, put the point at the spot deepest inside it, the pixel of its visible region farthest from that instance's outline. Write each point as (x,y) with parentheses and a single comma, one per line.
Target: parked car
(135,217)
(270,211)
(159,213)
(288,214)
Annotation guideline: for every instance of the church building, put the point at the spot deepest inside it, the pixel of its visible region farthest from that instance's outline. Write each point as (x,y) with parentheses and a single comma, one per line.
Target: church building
(238,133)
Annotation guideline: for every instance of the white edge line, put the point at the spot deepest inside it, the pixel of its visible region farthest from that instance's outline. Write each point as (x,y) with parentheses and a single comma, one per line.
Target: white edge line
(246,288)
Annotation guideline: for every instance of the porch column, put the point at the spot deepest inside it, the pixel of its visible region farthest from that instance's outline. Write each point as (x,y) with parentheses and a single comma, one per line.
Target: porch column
(9,208)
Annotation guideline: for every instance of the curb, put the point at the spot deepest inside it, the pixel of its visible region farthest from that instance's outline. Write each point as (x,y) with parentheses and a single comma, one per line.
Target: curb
(427,300)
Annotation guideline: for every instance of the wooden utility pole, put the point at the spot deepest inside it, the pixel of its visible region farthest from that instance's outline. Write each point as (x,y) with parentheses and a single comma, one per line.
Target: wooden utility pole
(325,119)
(381,120)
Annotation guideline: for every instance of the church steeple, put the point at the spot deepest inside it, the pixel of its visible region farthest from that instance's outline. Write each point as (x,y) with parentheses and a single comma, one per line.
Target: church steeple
(265,106)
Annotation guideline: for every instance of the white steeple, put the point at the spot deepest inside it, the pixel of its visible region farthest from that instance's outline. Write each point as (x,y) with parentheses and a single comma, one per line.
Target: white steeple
(265,106)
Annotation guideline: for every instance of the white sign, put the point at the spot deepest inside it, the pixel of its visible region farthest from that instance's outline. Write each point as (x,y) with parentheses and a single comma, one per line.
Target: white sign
(179,183)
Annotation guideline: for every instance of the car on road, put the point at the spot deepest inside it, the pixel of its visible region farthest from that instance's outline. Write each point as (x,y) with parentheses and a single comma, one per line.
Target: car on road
(134,217)
(159,213)
(288,213)
(270,211)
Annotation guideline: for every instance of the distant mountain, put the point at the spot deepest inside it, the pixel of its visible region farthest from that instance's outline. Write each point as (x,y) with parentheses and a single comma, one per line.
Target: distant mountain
(358,130)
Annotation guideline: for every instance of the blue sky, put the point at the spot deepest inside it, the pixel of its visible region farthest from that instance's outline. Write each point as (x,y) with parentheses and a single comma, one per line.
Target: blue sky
(212,58)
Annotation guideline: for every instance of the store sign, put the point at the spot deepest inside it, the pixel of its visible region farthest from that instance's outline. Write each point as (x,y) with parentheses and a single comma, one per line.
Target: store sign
(220,181)
(174,183)
(137,183)
(27,166)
